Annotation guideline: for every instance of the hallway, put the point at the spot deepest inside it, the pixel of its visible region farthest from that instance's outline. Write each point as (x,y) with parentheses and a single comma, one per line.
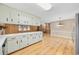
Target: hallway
(49,46)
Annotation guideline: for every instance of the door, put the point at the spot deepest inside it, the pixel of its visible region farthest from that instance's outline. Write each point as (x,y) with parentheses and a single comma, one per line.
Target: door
(45,28)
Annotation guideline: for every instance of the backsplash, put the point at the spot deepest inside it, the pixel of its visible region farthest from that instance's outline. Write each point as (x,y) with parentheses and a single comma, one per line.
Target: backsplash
(13,28)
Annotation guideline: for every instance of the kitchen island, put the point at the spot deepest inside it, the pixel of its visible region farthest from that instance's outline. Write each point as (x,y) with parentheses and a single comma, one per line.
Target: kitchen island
(18,41)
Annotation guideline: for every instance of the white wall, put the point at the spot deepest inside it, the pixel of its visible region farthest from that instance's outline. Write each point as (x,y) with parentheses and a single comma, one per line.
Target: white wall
(66,31)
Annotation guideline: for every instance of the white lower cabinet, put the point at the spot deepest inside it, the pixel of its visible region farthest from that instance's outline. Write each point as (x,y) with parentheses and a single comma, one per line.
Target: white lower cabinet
(12,45)
(21,41)
(16,43)
(30,39)
(34,37)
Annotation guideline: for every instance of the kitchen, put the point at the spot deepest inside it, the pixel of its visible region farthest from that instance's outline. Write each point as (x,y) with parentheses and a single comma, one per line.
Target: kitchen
(13,30)
(21,30)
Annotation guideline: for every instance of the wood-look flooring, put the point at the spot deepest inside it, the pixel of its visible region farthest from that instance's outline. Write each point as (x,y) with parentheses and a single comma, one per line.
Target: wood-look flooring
(49,46)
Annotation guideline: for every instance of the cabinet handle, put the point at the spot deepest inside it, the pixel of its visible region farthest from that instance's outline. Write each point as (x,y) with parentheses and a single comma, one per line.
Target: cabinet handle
(6,19)
(18,14)
(21,40)
(11,19)
(18,21)
(17,42)
(24,21)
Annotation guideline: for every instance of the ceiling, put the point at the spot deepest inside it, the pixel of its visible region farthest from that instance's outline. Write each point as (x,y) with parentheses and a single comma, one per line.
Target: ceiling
(31,8)
(58,9)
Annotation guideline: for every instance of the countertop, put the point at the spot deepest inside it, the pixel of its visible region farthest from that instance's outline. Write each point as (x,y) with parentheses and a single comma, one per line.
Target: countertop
(3,37)
(15,34)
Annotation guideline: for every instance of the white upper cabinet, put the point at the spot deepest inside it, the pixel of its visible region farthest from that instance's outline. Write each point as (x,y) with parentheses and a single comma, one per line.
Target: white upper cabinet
(4,14)
(19,17)
(23,18)
(28,21)
(4,11)
(35,21)
(13,16)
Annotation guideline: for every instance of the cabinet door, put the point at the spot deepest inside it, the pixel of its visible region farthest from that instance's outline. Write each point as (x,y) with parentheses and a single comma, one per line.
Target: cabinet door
(12,45)
(37,22)
(23,19)
(30,39)
(36,37)
(39,36)
(29,20)
(4,13)
(19,17)
(13,16)
(23,41)
(33,37)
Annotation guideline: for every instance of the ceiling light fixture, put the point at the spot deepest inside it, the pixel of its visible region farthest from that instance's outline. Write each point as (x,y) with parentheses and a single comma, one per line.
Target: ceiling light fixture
(45,6)
(60,22)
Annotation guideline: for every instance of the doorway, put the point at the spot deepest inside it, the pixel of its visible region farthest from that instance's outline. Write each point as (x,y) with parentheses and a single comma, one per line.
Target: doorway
(45,28)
